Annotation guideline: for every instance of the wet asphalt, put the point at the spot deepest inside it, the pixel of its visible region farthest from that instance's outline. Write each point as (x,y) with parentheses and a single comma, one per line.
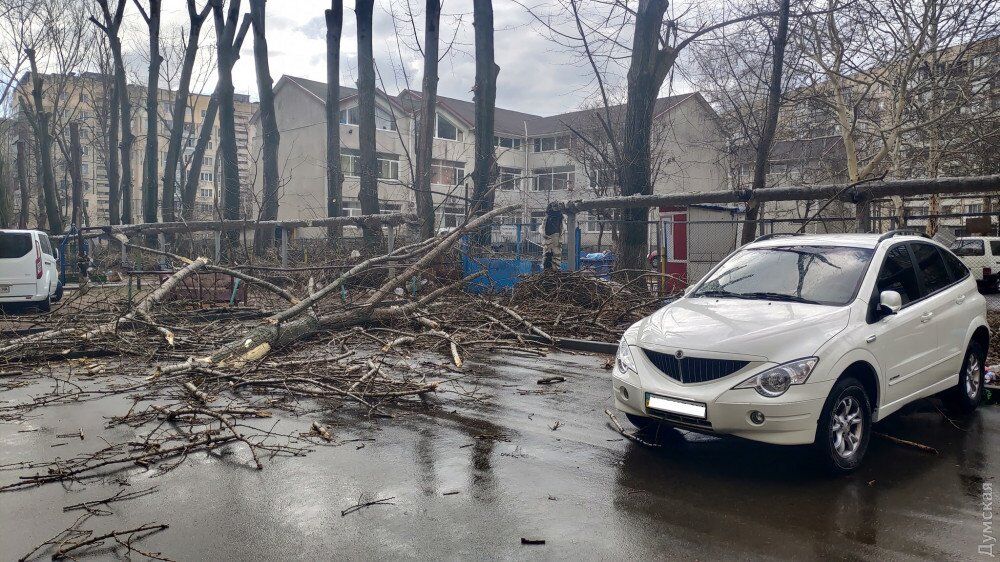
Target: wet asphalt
(470,479)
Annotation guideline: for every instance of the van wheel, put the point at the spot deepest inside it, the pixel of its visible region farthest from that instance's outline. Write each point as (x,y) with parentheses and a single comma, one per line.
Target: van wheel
(58,295)
(44,305)
(844,427)
(965,397)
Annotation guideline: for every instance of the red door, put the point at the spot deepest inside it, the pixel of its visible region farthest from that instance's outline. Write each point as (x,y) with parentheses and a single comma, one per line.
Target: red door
(674,243)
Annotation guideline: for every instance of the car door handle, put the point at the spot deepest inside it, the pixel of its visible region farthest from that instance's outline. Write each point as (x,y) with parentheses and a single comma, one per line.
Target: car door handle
(926,316)
(960,299)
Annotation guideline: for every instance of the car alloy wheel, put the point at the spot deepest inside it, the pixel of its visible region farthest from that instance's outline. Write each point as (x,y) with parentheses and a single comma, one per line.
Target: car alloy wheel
(972,376)
(846,427)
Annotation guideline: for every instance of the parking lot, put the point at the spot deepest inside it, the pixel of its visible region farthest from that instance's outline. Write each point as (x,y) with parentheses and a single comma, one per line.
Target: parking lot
(470,479)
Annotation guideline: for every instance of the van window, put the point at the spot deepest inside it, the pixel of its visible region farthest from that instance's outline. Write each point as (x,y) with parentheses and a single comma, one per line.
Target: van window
(897,274)
(930,264)
(14,244)
(46,246)
(995,247)
(968,247)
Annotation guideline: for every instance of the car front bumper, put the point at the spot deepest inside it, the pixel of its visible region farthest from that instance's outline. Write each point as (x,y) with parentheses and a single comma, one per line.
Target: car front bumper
(789,419)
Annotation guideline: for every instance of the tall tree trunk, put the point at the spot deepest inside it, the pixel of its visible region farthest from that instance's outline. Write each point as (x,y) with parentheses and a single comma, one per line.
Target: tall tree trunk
(22,185)
(75,167)
(177,133)
(198,158)
(6,207)
(428,115)
(44,140)
(766,140)
(264,238)
(112,161)
(110,27)
(150,188)
(334,175)
(226,35)
(368,193)
(485,98)
(647,70)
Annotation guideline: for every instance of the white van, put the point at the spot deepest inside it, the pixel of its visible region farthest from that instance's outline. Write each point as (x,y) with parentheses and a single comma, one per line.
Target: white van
(28,271)
(981,254)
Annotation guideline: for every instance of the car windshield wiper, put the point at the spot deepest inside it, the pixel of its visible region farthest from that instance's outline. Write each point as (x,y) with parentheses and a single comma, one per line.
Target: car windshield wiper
(764,295)
(717,293)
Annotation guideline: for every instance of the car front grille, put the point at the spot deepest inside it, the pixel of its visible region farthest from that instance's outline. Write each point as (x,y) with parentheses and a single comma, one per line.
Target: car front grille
(689,370)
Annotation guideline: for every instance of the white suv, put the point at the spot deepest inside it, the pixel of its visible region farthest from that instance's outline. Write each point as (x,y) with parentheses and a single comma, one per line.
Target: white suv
(28,271)
(809,340)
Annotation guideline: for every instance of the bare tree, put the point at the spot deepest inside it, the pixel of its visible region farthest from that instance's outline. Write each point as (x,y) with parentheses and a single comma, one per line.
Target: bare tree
(334,175)
(770,121)
(198,158)
(485,98)
(264,238)
(196,19)
(428,118)
(368,160)
(227,30)
(111,27)
(39,118)
(22,185)
(150,169)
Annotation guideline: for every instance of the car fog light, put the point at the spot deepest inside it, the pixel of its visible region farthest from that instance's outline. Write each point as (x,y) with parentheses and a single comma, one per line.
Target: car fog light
(757,417)
(624,392)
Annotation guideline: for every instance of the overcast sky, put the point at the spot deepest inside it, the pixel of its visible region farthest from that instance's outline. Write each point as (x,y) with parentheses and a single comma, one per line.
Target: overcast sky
(536,75)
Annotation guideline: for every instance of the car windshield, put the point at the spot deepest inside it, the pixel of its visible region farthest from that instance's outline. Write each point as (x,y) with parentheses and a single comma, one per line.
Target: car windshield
(14,244)
(827,275)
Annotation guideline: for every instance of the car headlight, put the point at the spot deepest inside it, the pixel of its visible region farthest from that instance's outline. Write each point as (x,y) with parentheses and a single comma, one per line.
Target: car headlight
(623,359)
(776,380)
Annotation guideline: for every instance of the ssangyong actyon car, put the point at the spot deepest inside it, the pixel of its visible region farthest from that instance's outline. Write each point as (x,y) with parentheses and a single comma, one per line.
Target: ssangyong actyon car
(809,339)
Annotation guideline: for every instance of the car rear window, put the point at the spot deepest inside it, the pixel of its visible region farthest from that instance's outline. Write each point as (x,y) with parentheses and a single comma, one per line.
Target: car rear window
(995,247)
(14,244)
(46,246)
(930,264)
(968,247)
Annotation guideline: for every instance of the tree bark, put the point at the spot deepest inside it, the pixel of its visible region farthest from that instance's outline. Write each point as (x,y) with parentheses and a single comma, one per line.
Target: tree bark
(264,238)
(227,54)
(43,138)
(6,210)
(334,175)
(112,160)
(110,27)
(368,193)
(428,115)
(647,70)
(76,172)
(485,98)
(22,185)
(198,158)
(150,188)
(177,133)
(766,140)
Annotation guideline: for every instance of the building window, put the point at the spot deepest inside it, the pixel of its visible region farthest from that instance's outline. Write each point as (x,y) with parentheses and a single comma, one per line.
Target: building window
(508,178)
(975,208)
(384,120)
(351,208)
(507,142)
(84,98)
(207,161)
(444,172)
(447,130)
(206,192)
(552,179)
(85,169)
(349,116)
(546,144)
(388,165)
(207,176)
(389,207)
(203,113)
(452,216)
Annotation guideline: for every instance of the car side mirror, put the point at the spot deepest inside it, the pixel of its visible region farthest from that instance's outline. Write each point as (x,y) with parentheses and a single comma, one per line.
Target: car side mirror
(889,302)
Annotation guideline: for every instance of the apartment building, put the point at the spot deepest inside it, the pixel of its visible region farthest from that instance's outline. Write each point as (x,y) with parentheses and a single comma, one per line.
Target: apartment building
(539,159)
(85,98)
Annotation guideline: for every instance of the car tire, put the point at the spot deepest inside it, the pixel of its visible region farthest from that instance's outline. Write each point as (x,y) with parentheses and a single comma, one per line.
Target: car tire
(58,295)
(965,397)
(44,305)
(844,427)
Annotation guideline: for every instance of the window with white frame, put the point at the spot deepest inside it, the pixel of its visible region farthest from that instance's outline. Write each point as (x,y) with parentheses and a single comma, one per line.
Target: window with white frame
(507,142)
(447,130)
(389,207)
(207,176)
(205,191)
(546,144)
(601,177)
(444,172)
(351,208)
(85,169)
(388,165)
(553,179)
(452,216)
(508,178)
(349,116)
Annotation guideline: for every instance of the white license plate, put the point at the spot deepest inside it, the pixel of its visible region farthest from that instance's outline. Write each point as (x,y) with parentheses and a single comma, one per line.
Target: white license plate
(4,289)
(675,406)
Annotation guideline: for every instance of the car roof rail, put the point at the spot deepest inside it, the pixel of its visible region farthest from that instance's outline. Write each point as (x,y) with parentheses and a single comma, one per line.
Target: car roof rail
(900,232)
(775,235)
